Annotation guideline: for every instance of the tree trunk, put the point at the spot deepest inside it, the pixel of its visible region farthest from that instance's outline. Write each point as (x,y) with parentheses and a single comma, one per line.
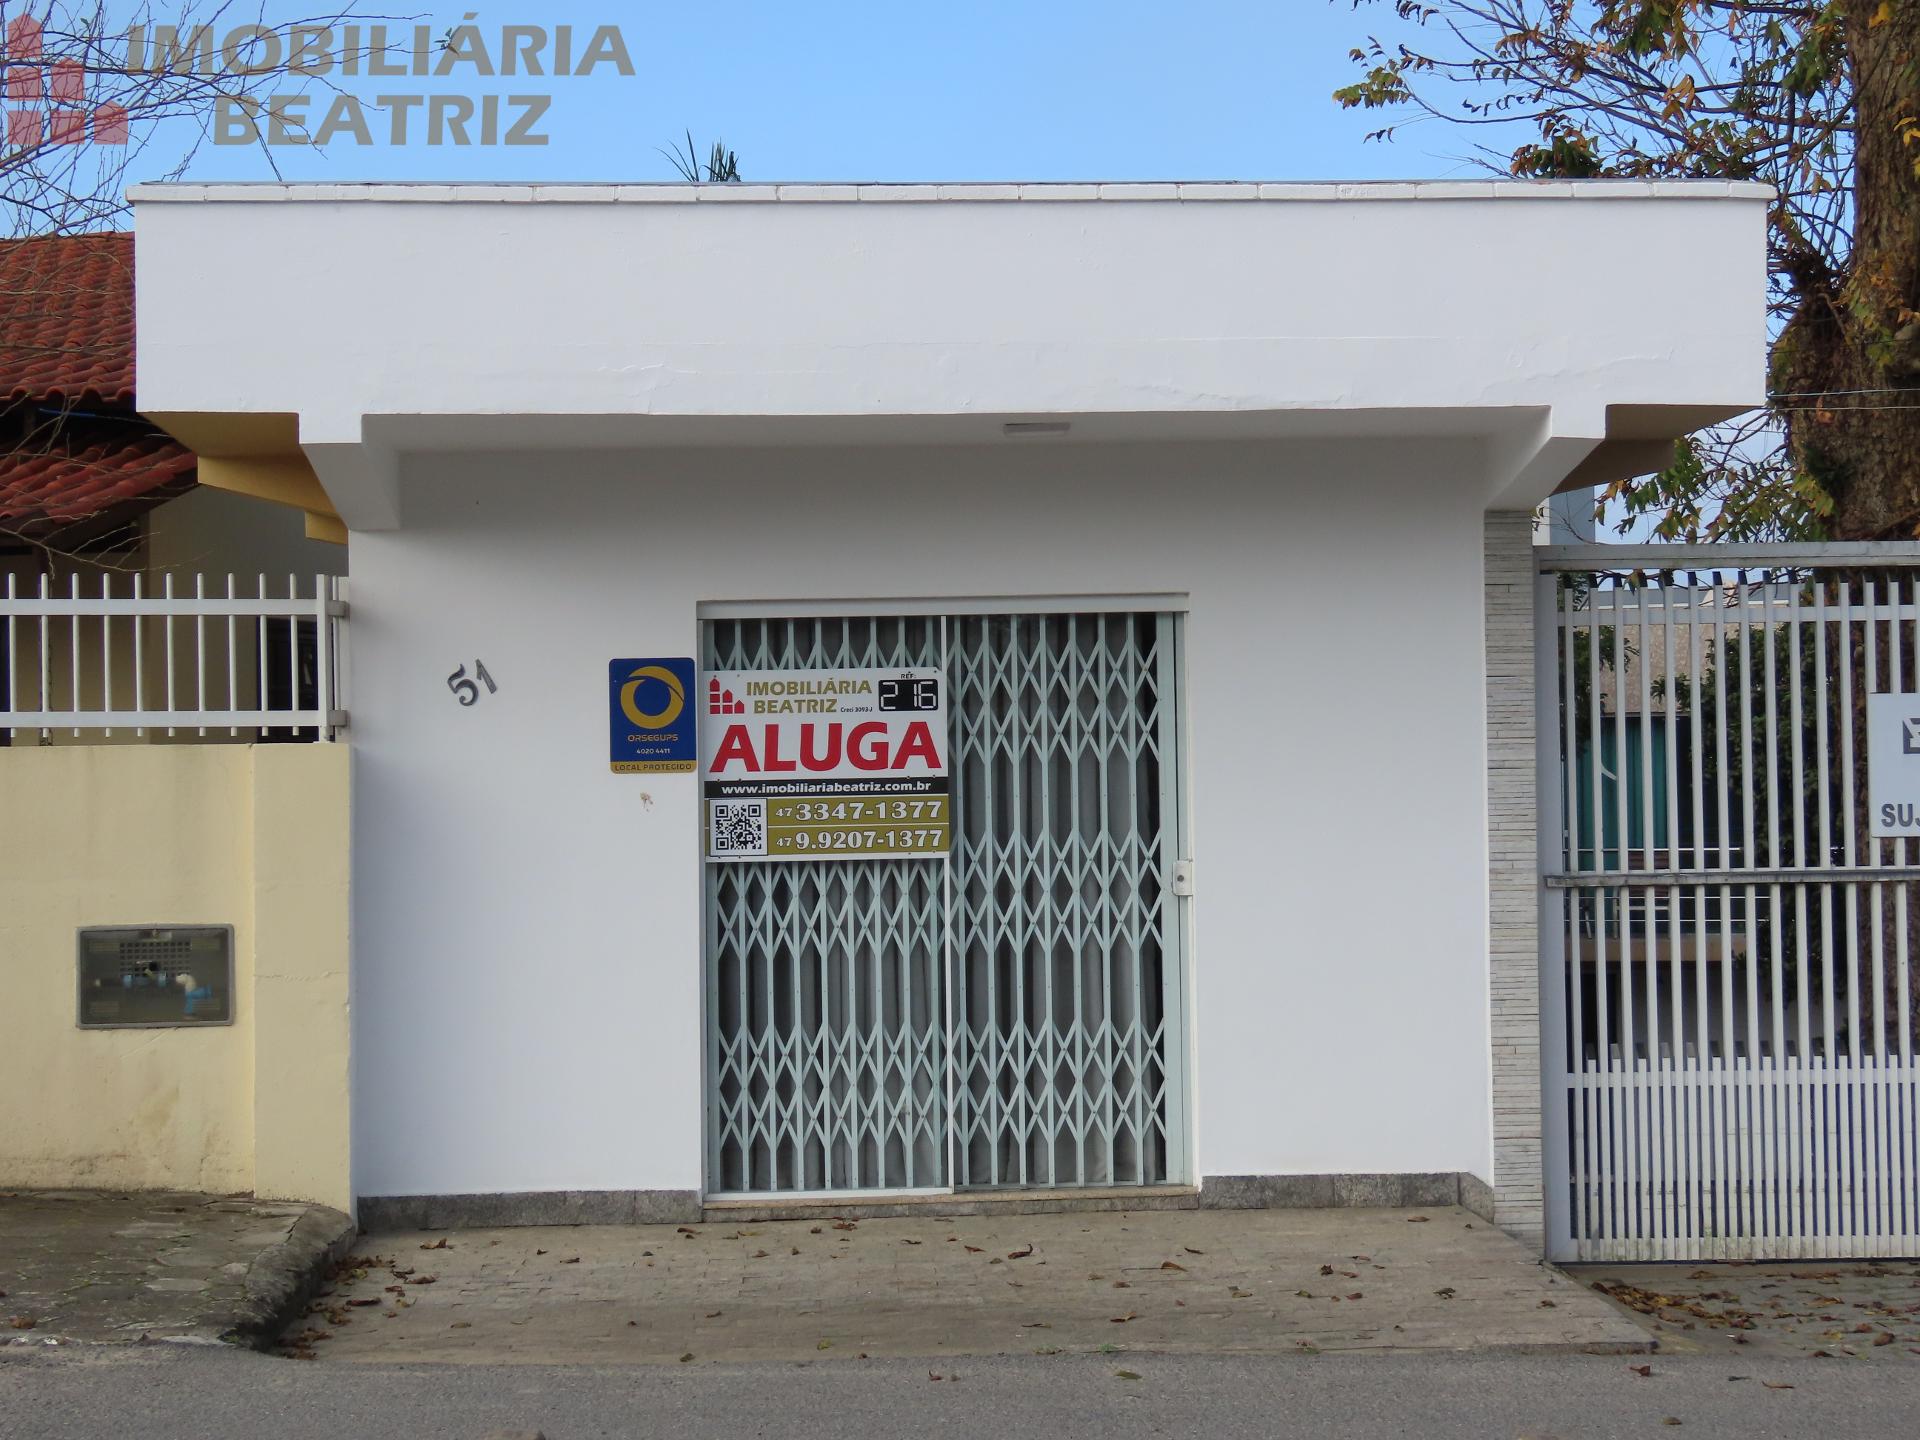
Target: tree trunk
(1848,361)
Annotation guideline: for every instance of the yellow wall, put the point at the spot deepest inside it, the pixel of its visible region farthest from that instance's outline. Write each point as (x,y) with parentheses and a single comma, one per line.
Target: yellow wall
(255,836)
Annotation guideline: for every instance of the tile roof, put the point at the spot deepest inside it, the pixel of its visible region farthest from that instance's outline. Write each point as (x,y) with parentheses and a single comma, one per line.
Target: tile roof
(66,351)
(66,319)
(46,488)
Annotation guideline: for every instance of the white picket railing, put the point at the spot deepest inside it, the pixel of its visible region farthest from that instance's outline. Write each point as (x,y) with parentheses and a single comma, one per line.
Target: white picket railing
(183,661)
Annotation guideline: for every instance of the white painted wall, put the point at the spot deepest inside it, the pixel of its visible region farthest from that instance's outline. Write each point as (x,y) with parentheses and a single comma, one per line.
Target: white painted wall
(527,951)
(805,301)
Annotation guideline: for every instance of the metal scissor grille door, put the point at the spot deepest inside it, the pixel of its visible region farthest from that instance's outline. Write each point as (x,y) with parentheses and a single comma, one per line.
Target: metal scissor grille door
(1010,1017)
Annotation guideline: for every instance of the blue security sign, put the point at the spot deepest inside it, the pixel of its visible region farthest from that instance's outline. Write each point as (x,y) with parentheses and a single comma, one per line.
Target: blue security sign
(653,718)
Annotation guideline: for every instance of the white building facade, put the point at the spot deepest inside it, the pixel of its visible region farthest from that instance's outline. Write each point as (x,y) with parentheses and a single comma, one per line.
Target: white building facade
(1210,503)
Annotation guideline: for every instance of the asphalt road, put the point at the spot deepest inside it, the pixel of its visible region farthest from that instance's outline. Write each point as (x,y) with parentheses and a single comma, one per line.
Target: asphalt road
(164,1392)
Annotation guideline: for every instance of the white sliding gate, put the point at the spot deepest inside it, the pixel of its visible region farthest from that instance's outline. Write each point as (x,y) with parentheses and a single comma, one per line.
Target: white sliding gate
(1010,1016)
(1727,999)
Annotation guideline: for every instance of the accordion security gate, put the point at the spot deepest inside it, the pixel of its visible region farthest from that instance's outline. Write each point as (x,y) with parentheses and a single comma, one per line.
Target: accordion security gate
(1007,1017)
(1727,1021)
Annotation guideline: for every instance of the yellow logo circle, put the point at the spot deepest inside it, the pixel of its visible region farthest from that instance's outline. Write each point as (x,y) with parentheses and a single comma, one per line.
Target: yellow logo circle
(676,702)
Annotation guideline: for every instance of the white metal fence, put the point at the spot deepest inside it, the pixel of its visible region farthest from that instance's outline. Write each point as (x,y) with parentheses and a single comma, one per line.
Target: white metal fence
(1728,1023)
(201,657)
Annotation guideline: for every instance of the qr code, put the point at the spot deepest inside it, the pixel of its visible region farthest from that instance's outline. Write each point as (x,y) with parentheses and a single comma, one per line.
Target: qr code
(739,827)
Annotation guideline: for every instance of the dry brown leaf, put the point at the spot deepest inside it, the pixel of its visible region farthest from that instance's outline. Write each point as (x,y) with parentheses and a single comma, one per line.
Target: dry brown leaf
(1169,1265)
(1021,1253)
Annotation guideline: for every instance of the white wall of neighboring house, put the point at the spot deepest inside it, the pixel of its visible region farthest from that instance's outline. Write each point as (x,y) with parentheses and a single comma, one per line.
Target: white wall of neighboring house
(1565,519)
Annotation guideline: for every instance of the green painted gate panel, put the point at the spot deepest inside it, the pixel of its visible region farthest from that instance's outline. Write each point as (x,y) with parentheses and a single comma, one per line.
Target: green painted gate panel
(1639,747)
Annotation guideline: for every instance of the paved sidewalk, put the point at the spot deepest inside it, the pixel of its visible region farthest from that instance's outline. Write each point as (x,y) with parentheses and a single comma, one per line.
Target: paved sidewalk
(1251,1281)
(102,1267)
(1820,1309)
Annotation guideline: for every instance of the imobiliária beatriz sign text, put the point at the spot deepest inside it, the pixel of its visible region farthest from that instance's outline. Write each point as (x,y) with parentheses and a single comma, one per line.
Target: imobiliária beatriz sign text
(824,764)
(298,84)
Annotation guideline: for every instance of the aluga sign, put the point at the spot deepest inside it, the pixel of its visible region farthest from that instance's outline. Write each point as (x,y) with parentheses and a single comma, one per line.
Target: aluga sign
(825,764)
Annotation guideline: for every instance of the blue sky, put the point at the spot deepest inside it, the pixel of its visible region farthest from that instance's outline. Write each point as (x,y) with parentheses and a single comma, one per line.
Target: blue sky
(903,91)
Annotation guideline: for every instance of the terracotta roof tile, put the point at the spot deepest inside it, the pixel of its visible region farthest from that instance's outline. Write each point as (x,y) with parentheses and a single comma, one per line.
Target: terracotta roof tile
(81,477)
(66,319)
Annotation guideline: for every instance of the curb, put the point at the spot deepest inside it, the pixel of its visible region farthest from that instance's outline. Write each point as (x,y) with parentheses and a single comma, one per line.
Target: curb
(282,1279)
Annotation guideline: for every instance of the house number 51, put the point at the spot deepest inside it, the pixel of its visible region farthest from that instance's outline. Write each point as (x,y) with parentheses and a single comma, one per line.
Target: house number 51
(468,690)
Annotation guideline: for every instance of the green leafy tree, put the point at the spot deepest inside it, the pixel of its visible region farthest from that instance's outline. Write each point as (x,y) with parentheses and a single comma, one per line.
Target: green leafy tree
(1819,99)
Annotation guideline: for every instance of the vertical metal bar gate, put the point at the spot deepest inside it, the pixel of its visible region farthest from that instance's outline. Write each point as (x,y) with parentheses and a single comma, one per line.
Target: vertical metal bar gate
(1728,1027)
(1010,1018)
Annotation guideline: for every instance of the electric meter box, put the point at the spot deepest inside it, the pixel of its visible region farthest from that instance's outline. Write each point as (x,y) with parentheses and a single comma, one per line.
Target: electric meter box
(153,975)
